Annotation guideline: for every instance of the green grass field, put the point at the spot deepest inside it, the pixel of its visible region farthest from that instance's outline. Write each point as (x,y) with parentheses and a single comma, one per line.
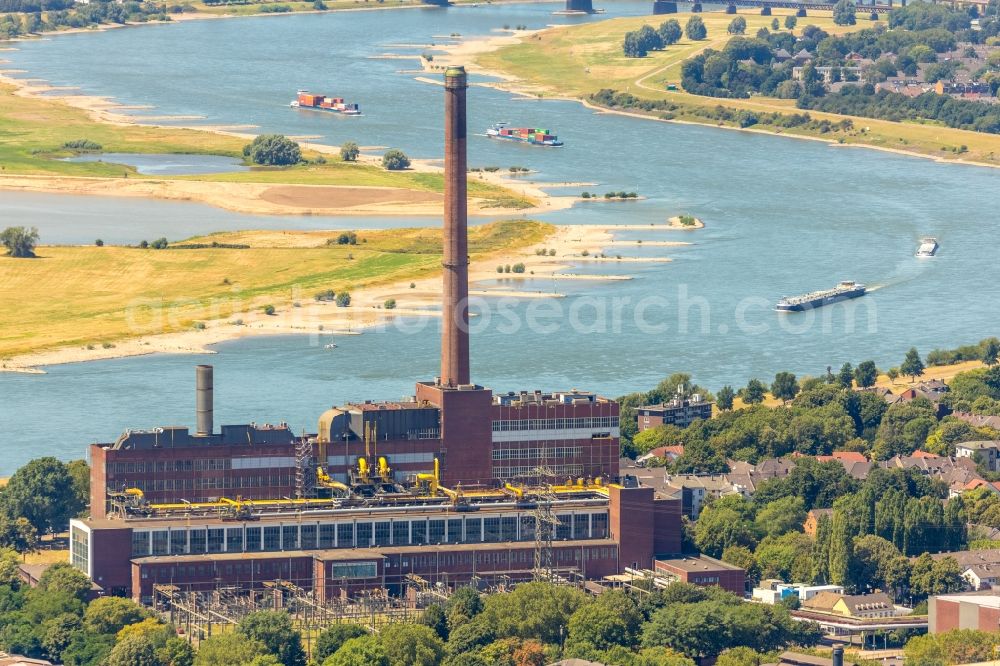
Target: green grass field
(72,296)
(580,60)
(33,131)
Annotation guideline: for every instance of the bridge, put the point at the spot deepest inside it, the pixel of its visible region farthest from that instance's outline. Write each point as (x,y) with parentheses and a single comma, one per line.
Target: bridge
(853,626)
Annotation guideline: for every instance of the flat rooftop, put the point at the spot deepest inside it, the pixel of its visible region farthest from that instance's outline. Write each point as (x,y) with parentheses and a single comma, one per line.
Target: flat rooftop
(332,510)
(697,564)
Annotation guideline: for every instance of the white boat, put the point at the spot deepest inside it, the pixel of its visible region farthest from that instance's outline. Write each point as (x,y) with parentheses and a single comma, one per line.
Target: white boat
(928,247)
(330,346)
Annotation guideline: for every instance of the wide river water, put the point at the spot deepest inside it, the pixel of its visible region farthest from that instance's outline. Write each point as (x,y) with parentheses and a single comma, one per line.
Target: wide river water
(783,216)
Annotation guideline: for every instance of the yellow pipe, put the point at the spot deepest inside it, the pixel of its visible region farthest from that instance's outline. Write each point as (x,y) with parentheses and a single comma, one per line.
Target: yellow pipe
(134,492)
(519,492)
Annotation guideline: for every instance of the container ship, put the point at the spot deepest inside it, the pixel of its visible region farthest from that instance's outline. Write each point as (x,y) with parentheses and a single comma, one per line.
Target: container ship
(928,247)
(308,100)
(818,299)
(534,136)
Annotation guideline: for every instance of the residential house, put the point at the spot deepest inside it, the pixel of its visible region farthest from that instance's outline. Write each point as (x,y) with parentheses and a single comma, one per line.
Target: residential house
(813,518)
(694,490)
(933,390)
(972,610)
(978,420)
(668,453)
(679,411)
(987,452)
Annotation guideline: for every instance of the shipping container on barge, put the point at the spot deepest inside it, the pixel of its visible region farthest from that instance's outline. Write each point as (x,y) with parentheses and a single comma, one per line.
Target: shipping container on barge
(529,135)
(307,100)
(818,299)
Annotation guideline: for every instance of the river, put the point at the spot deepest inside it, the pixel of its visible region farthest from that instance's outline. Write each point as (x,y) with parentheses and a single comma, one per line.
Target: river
(783,216)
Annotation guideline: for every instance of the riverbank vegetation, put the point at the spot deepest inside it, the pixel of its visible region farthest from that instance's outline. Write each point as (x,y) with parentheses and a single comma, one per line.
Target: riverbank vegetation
(581,61)
(133,292)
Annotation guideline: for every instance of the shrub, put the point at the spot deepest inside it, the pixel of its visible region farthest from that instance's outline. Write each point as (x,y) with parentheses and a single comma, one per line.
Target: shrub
(730,9)
(349,152)
(390,304)
(275,9)
(552,252)
(19,241)
(199,326)
(346,238)
(268,310)
(159,244)
(143,244)
(413,285)
(585,195)
(272,149)
(326,295)
(517,268)
(395,160)
(343,299)
(585,253)
(99,243)
(82,145)
(766,11)
(319,5)
(499,269)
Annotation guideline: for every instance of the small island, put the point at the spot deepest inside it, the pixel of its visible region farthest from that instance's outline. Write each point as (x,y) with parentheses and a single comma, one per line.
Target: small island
(685,222)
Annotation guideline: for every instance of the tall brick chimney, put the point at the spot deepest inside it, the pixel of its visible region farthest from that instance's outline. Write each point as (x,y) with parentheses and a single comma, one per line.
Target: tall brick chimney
(455,301)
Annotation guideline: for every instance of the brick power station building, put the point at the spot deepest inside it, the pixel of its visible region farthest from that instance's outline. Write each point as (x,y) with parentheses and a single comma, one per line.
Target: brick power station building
(453,483)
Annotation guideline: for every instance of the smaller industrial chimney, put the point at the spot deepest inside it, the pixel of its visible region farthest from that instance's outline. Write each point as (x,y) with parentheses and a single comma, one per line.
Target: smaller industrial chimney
(203,399)
(838,656)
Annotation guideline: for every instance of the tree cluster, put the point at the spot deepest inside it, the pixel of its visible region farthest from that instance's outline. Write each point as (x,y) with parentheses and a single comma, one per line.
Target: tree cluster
(273,150)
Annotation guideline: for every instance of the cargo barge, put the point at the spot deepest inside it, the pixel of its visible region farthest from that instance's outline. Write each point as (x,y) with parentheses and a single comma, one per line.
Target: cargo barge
(529,135)
(307,100)
(817,299)
(928,247)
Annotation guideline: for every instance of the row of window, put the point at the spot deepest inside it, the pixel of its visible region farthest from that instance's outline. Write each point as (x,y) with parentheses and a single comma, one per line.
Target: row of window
(213,483)
(588,422)
(199,465)
(364,534)
(517,471)
(537,453)
(249,571)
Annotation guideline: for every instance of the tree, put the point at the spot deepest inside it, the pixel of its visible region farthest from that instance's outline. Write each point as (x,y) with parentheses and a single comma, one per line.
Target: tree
(435,618)
(361,651)
(228,649)
(790,22)
(349,152)
(632,47)
(958,646)
(39,492)
(109,615)
(395,160)
(99,243)
(64,578)
(846,376)
(754,391)
(532,610)
(336,635)
(866,374)
(991,348)
(893,374)
(273,150)
(670,32)
(274,629)
(785,386)
(695,29)
(463,605)
(724,398)
(133,651)
(603,624)
(742,557)
(19,241)
(775,25)
(411,645)
(912,366)
(844,13)
(737,26)
(786,514)
(719,528)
